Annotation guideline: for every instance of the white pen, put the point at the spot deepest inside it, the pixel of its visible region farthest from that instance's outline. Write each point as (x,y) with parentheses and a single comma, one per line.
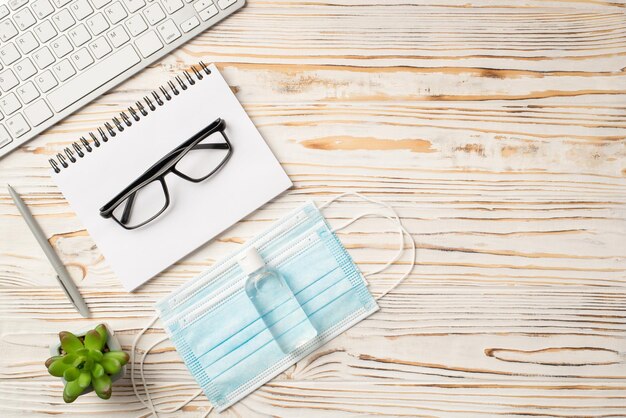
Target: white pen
(66,282)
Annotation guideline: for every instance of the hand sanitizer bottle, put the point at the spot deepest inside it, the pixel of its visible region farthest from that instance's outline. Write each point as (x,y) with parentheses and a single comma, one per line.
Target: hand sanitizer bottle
(274,300)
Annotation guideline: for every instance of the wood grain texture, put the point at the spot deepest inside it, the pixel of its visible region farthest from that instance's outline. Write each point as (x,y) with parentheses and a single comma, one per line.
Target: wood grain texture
(496,128)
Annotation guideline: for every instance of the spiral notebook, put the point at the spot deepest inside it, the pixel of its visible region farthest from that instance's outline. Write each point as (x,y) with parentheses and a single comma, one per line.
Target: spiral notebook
(99,165)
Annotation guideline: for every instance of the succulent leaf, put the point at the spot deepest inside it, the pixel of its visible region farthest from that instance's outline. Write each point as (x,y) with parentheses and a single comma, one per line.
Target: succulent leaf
(52,360)
(70,342)
(72,391)
(120,356)
(97,371)
(58,367)
(82,352)
(70,358)
(79,362)
(111,365)
(102,386)
(102,330)
(71,373)
(94,341)
(88,366)
(95,355)
(84,379)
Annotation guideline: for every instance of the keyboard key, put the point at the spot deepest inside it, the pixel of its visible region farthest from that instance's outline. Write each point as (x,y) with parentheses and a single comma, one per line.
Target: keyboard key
(148,44)
(100,47)
(79,35)
(172,6)
(4,11)
(43,58)
(5,138)
(25,69)
(81,9)
(168,31)
(202,4)
(9,54)
(61,46)
(118,36)
(60,3)
(63,70)
(24,19)
(189,24)
(225,3)
(9,103)
(42,8)
(134,5)
(17,125)
(97,24)
(208,13)
(99,4)
(82,58)
(45,81)
(7,30)
(45,31)
(27,42)
(27,92)
(136,25)
(63,20)
(16,4)
(154,14)
(38,113)
(8,80)
(115,12)
(89,80)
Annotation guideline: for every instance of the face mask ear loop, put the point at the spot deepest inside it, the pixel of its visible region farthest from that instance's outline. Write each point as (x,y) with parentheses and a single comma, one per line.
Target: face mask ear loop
(143,381)
(396,218)
(184,404)
(133,350)
(411,266)
(143,377)
(400,234)
(149,404)
(359,195)
(401,229)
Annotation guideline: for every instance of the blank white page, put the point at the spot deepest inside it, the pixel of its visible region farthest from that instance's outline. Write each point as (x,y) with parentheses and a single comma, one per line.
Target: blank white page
(198,211)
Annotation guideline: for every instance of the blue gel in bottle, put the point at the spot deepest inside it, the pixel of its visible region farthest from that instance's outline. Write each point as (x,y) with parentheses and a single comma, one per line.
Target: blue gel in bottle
(276,304)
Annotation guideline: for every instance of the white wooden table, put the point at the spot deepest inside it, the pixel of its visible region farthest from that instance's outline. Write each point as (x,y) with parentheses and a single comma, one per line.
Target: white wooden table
(497,129)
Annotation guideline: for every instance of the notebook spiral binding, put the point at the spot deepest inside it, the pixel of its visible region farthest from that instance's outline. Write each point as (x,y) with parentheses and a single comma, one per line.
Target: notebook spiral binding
(158,97)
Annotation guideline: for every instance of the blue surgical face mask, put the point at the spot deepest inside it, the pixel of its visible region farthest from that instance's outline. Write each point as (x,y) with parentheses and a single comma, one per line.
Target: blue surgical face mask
(224,339)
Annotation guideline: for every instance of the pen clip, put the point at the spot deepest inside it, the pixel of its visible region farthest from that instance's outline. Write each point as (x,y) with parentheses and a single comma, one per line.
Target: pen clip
(67,293)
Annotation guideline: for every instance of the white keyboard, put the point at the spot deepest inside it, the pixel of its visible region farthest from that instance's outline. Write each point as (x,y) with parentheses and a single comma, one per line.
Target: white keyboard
(58,55)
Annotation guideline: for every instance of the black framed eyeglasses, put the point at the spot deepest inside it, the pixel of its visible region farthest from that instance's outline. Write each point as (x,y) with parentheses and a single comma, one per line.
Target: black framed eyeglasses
(195,160)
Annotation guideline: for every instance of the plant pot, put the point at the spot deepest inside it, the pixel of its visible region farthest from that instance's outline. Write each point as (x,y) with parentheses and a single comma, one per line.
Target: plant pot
(112,343)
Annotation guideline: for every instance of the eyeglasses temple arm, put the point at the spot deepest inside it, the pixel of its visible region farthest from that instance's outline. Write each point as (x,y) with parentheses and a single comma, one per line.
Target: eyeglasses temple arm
(128,208)
(211,146)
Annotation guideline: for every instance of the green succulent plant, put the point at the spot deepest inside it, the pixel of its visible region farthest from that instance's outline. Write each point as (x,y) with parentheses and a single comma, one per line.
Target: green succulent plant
(86,361)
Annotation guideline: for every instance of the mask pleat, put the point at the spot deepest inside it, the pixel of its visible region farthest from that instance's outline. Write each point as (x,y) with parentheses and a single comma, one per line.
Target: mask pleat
(220,331)
(218,282)
(248,341)
(264,350)
(248,322)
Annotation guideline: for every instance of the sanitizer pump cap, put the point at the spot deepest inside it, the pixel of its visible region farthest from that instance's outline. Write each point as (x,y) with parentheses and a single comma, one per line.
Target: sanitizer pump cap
(251,261)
